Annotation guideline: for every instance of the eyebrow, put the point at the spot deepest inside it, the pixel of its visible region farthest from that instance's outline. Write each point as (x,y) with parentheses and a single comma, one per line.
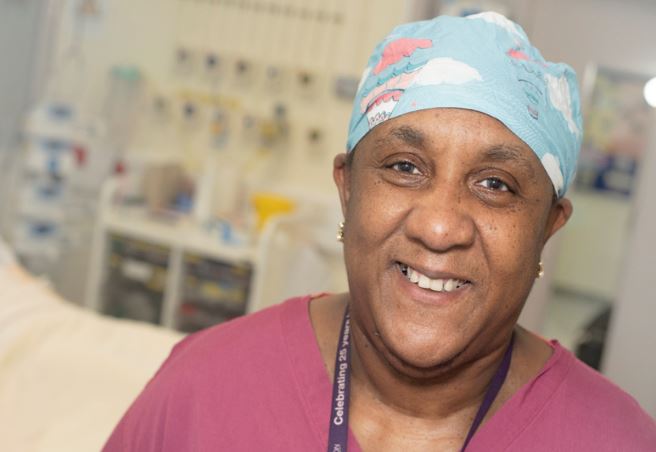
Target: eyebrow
(495,153)
(505,153)
(406,134)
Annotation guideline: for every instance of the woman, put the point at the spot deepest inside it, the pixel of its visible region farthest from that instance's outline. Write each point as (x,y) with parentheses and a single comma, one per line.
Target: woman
(462,144)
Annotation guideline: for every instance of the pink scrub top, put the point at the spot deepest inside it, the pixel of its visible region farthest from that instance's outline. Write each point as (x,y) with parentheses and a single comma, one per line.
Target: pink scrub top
(259,383)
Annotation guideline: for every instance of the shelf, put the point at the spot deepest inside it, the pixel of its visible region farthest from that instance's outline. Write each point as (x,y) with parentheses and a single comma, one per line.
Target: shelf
(182,239)
(180,234)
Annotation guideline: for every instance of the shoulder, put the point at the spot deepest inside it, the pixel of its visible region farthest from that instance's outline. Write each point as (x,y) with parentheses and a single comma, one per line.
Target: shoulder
(213,380)
(590,389)
(568,407)
(254,340)
(595,410)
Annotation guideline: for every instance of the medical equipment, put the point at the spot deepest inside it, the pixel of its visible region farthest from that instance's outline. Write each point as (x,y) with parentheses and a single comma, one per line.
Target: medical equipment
(245,95)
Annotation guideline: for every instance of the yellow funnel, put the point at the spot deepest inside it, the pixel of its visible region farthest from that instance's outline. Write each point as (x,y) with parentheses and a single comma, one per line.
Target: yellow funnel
(269,204)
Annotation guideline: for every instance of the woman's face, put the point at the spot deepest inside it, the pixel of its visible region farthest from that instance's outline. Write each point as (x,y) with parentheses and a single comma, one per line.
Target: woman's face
(446,215)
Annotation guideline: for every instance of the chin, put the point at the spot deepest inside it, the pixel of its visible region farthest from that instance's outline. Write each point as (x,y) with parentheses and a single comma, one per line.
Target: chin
(421,356)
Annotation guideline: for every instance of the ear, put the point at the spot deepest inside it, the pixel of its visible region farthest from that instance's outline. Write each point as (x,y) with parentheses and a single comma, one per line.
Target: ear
(341,175)
(561,211)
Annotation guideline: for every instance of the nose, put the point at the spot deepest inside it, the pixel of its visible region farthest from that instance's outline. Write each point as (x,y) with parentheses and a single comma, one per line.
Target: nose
(440,220)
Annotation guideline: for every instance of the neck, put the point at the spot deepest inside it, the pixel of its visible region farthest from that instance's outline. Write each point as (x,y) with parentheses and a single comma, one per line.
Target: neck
(455,388)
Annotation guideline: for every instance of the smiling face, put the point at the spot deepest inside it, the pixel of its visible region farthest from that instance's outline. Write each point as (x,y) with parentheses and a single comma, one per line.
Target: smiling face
(446,215)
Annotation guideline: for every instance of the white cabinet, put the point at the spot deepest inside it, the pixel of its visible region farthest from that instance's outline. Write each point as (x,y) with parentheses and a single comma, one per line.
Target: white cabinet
(169,272)
(176,274)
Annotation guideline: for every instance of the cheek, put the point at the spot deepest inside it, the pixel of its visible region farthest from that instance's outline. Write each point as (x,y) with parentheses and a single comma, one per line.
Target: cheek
(374,220)
(513,244)
(374,211)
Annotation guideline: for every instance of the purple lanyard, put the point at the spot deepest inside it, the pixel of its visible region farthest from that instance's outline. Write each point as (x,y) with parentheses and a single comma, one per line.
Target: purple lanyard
(338,436)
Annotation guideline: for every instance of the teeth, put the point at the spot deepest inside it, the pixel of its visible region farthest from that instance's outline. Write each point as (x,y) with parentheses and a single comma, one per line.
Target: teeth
(436,285)
(424,282)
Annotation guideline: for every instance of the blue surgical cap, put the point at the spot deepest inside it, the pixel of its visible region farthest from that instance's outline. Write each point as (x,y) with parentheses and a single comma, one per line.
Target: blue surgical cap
(482,62)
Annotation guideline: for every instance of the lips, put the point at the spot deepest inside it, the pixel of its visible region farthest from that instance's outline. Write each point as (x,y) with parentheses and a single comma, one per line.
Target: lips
(444,284)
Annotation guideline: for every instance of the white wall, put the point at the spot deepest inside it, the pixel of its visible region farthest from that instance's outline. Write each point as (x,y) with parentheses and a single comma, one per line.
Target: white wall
(612,33)
(147,33)
(18,23)
(631,357)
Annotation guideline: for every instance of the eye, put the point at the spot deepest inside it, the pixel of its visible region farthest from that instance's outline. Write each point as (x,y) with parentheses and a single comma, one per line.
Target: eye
(405,167)
(495,184)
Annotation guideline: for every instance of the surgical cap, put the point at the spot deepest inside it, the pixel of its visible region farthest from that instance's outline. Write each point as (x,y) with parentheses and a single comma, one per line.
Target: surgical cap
(482,62)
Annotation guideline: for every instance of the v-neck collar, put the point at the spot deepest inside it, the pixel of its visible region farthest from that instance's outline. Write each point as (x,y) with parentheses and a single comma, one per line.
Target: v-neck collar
(522,408)
(314,388)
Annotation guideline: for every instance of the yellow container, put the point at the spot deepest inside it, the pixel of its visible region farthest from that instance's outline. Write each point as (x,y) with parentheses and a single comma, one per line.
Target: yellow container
(268,204)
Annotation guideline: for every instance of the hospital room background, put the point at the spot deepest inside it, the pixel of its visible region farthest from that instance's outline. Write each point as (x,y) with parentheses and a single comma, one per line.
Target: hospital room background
(165,166)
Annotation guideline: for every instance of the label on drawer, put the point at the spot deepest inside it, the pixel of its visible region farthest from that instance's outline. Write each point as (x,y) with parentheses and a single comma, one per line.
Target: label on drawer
(137,270)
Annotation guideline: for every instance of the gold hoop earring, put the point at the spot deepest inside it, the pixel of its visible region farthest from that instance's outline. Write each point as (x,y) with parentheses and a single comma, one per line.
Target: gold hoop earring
(540,270)
(340,232)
